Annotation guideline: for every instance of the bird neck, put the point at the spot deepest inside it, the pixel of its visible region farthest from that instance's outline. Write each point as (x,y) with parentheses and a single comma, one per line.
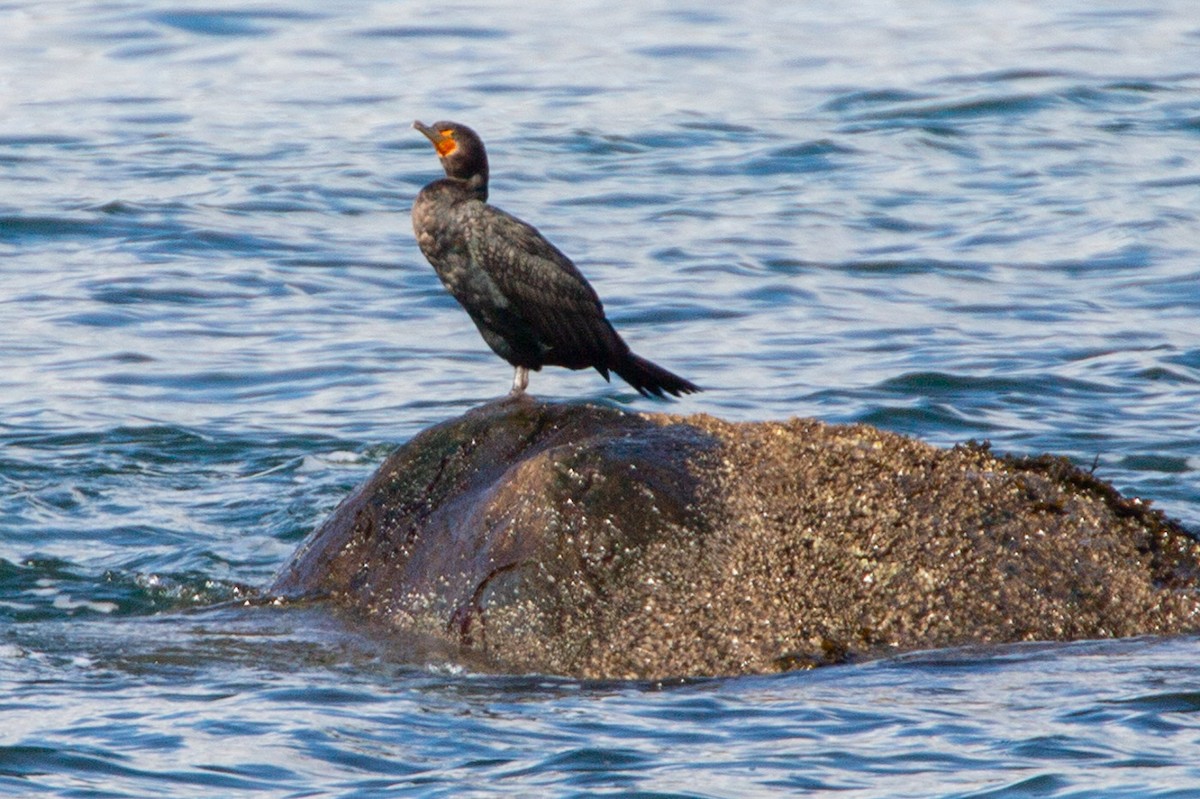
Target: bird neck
(453,190)
(478,185)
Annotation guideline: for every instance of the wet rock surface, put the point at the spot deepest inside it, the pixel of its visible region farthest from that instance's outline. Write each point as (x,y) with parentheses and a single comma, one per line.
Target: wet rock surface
(587,541)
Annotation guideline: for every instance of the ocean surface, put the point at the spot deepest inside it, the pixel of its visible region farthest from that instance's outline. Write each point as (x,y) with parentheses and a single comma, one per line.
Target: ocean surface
(951,219)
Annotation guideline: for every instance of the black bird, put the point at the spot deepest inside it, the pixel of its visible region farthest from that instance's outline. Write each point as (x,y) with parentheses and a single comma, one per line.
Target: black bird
(530,303)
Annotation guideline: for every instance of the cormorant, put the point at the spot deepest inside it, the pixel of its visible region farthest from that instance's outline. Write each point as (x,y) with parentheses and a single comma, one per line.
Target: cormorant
(530,303)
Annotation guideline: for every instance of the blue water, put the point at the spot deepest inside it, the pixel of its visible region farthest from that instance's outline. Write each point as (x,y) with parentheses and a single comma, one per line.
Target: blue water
(950,219)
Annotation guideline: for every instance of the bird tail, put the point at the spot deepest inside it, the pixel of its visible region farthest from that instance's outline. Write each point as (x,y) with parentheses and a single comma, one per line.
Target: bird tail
(650,378)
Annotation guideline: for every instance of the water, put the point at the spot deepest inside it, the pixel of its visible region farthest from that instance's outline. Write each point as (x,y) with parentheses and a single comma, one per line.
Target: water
(951,219)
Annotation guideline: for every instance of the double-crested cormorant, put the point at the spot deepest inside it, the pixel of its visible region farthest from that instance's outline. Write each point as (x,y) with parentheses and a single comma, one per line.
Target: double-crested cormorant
(530,303)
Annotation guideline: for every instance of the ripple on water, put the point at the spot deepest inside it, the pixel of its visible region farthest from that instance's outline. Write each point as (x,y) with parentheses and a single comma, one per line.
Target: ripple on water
(232,22)
(215,322)
(435,32)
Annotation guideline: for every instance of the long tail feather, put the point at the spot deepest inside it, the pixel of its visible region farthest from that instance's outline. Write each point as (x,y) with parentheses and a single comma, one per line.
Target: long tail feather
(651,379)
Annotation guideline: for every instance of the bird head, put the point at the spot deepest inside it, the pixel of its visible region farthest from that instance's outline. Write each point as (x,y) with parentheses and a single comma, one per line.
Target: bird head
(460,150)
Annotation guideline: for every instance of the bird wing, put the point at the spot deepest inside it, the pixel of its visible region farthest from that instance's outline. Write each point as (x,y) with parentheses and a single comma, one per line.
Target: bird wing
(544,288)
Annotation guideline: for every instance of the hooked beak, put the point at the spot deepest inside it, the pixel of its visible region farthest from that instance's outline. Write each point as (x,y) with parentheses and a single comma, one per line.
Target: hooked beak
(429,132)
(443,140)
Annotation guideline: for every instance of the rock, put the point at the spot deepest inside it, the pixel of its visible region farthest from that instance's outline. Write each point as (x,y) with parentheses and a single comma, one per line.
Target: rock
(587,541)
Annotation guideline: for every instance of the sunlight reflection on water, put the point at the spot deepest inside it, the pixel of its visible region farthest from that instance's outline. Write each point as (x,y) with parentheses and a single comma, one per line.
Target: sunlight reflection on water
(951,220)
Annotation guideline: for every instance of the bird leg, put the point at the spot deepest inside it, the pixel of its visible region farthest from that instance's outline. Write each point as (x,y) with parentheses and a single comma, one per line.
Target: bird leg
(520,382)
